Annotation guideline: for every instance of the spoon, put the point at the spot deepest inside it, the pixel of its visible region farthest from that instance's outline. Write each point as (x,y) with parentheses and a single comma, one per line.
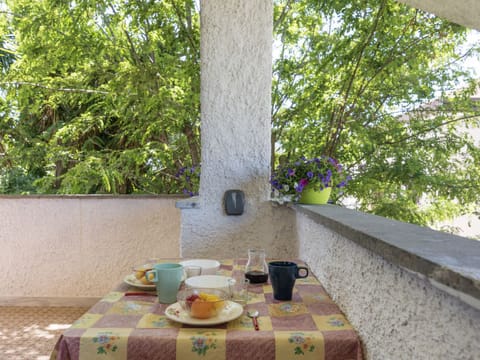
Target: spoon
(253,314)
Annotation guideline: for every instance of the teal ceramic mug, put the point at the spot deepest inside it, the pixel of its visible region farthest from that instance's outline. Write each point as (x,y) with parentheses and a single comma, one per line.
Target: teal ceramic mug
(167,278)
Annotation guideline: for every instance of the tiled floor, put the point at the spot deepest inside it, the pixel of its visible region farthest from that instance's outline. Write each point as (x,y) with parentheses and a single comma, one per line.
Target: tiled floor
(30,333)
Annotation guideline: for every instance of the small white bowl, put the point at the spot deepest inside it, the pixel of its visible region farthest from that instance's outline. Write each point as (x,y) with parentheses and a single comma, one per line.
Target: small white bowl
(209,282)
(209,267)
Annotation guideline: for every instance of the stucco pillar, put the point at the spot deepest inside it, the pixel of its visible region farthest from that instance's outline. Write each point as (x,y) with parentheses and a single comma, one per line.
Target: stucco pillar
(236,73)
(236,77)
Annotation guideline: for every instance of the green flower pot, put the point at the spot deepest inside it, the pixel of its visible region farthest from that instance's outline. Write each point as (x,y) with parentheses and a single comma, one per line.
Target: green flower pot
(315,197)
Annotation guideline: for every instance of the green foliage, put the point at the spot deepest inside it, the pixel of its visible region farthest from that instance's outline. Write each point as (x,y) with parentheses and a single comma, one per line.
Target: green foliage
(105,94)
(346,72)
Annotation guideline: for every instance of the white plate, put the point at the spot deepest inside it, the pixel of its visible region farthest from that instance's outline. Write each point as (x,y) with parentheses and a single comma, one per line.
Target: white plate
(133,281)
(209,282)
(231,311)
(209,267)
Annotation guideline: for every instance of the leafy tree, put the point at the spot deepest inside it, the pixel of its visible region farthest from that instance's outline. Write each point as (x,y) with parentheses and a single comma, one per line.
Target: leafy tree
(345,73)
(106,94)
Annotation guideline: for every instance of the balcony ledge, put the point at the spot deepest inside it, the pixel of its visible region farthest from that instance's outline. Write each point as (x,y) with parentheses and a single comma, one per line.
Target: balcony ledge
(189,203)
(450,263)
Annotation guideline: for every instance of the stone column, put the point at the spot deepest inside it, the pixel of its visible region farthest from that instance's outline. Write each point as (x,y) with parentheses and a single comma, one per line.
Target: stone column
(236,73)
(235,97)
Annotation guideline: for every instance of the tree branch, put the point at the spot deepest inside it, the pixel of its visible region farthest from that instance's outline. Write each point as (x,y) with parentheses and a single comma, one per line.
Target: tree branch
(405,138)
(26,83)
(428,129)
(282,15)
(188,31)
(336,122)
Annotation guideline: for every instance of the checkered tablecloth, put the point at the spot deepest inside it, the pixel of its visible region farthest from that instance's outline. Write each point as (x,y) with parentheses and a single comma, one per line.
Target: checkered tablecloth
(310,326)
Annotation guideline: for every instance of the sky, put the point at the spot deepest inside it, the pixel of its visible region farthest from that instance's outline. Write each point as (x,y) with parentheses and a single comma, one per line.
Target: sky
(474,61)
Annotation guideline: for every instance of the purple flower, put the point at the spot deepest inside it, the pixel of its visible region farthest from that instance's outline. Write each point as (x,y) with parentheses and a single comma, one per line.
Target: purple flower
(344,182)
(328,177)
(188,179)
(310,174)
(301,184)
(180,172)
(290,172)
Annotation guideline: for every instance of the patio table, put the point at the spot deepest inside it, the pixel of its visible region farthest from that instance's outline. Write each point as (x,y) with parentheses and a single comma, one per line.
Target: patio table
(310,326)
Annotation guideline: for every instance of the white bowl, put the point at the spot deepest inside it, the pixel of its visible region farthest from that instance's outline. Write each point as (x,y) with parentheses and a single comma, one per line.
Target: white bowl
(209,267)
(209,282)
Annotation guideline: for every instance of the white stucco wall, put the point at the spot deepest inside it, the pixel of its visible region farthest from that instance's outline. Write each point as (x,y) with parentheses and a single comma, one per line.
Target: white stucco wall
(218,236)
(80,246)
(236,67)
(464,12)
(397,314)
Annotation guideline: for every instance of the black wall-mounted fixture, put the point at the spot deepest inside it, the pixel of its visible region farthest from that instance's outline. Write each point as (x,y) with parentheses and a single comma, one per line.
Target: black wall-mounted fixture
(234,201)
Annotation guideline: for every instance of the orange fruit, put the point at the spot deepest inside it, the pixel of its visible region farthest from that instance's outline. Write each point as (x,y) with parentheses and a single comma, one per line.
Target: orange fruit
(202,309)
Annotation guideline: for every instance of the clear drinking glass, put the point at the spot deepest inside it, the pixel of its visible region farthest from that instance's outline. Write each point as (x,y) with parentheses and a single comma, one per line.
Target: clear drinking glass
(256,269)
(238,290)
(193,270)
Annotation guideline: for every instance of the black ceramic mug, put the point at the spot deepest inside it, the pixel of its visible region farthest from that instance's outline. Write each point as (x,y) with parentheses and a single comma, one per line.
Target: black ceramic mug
(282,276)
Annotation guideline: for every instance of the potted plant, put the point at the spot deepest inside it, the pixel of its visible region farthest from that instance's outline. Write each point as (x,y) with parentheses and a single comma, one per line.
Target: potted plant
(308,181)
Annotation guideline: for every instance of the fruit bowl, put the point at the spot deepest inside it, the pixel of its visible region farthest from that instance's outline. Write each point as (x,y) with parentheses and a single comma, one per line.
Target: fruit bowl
(140,273)
(202,303)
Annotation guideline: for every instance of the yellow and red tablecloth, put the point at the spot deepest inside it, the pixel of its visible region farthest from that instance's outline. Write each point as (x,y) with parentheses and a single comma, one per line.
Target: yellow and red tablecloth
(310,326)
